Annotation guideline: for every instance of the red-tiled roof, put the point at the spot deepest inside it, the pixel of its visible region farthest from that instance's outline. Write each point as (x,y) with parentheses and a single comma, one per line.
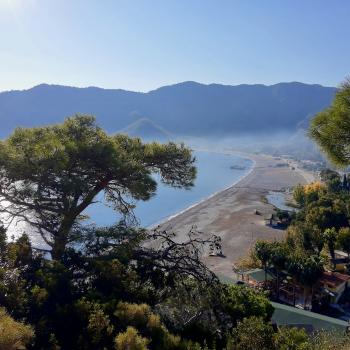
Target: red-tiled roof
(334,279)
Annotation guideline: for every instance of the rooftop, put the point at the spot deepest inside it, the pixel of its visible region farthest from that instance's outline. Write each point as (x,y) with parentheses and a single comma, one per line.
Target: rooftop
(285,315)
(334,279)
(258,275)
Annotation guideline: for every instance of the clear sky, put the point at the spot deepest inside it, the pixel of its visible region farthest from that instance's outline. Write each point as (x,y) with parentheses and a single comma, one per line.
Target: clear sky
(143,44)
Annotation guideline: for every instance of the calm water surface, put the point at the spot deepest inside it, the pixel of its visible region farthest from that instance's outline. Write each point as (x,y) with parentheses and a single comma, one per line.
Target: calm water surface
(215,172)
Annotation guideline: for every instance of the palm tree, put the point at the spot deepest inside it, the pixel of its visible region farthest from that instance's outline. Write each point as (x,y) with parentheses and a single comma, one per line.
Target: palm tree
(263,250)
(310,273)
(294,267)
(330,236)
(278,259)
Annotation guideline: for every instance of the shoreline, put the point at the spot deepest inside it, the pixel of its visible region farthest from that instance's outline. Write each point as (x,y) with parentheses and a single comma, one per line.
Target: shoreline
(231,212)
(173,216)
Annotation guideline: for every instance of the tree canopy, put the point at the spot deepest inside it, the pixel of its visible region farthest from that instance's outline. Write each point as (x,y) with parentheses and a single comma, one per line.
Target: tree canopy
(50,175)
(331,127)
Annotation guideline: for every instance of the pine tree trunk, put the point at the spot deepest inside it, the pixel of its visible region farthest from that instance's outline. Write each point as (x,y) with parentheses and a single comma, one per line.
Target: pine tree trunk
(61,238)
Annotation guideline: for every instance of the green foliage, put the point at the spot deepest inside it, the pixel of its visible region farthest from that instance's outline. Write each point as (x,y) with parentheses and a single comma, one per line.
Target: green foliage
(299,195)
(331,127)
(331,236)
(241,302)
(85,300)
(323,213)
(251,334)
(311,269)
(254,333)
(291,339)
(329,340)
(130,340)
(99,327)
(72,163)
(105,287)
(263,251)
(13,335)
(148,323)
(344,239)
(332,179)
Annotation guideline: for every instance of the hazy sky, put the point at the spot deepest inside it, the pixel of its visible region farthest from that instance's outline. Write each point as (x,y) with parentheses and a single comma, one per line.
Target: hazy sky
(143,44)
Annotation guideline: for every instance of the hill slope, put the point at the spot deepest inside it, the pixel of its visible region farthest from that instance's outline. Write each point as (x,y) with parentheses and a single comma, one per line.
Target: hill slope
(187,108)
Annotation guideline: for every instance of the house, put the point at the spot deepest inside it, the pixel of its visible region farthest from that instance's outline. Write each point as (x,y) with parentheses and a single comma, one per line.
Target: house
(341,261)
(289,316)
(339,254)
(334,283)
(340,264)
(254,277)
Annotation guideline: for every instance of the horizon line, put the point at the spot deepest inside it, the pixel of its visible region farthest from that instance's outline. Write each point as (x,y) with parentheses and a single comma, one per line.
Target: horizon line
(163,86)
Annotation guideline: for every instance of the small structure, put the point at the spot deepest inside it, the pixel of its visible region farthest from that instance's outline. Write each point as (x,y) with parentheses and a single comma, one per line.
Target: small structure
(335,284)
(339,254)
(274,221)
(285,315)
(341,262)
(329,289)
(254,277)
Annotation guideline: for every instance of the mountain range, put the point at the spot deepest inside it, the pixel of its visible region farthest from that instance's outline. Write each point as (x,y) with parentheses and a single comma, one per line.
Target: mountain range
(188,108)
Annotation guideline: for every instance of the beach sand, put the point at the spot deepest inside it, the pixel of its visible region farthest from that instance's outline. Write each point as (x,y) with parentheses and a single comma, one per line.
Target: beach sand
(230,214)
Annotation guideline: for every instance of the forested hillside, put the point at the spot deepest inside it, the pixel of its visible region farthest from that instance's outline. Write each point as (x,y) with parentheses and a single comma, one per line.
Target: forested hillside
(184,109)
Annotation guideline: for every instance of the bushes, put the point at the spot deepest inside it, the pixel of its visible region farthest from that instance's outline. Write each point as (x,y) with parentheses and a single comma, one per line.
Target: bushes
(130,340)
(254,333)
(251,334)
(13,334)
(140,317)
(240,302)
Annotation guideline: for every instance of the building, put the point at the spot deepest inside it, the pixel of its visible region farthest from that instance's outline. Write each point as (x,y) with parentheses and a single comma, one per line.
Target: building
(341,261)
(289,316)
(254,277)
(334,284)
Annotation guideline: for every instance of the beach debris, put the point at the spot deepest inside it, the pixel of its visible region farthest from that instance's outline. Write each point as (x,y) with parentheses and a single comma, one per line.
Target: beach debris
(237,167)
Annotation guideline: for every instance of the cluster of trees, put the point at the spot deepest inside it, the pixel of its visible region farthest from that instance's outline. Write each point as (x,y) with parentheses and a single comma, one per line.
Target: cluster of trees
(122,287)
(323,220)
(304,268)
(117,296)
(317,230)
(118,287)
(322,223)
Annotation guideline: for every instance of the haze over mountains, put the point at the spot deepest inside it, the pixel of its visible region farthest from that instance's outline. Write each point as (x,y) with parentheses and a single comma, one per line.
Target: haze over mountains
(186,109)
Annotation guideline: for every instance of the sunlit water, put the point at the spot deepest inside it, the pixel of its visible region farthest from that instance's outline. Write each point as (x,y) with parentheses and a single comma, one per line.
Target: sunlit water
(278,199)
(215,173)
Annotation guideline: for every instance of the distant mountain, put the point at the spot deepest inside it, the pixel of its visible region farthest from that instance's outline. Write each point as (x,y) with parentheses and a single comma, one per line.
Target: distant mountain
(147,129)
(187,108)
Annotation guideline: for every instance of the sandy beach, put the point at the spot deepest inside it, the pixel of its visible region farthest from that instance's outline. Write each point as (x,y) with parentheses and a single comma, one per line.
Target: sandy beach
(230,214)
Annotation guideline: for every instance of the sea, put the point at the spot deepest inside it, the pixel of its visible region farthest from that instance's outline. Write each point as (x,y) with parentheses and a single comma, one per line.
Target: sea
(215,172)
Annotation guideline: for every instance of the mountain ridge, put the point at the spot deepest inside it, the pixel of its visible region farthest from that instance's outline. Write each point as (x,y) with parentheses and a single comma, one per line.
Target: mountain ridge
(167,85)
(186,108)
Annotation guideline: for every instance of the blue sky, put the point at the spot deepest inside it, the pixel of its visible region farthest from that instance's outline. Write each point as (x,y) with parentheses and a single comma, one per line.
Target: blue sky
(143,44)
